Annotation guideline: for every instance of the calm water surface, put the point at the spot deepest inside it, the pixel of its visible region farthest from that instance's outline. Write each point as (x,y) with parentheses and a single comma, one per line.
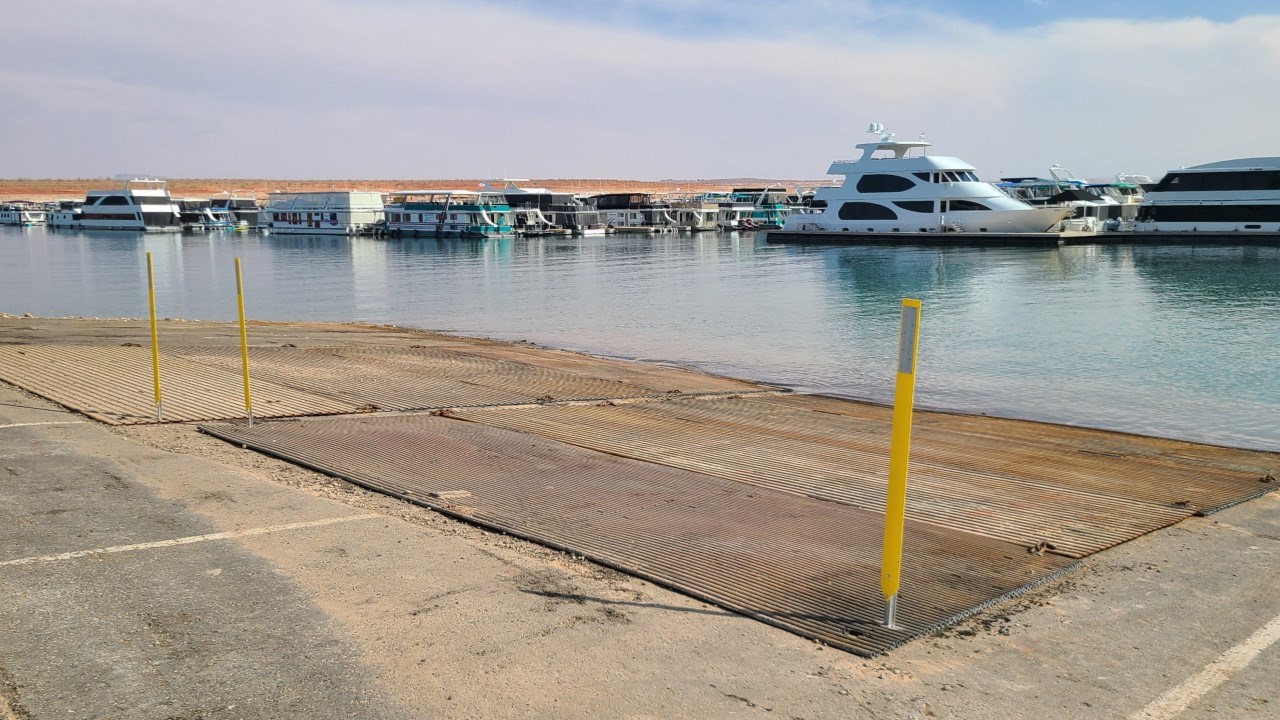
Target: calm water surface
(1172,341)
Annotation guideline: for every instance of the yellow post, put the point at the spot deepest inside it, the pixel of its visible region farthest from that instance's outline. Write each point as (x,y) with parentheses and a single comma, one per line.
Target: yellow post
(899,451)
(244,343)
(155,338)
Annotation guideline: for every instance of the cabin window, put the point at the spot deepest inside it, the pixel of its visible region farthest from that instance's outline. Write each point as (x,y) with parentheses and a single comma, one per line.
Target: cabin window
(965,205)
(924,176)
(881,183)
(919,206)
(818,204)
(115,200)
(1211,213)
(866,211)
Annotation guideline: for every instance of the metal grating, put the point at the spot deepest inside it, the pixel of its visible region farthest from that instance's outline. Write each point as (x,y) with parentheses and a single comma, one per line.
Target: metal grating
(114,384)
(1079,490)
(805,565)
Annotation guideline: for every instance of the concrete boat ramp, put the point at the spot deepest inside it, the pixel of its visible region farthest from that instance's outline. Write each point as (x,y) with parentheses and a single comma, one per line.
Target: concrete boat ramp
(764,503)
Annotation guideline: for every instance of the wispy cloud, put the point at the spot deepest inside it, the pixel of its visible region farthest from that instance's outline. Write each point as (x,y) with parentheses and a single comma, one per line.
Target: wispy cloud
(326,88)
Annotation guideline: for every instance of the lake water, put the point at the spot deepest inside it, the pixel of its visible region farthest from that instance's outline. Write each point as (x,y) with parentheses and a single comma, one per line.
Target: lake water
(1179,341)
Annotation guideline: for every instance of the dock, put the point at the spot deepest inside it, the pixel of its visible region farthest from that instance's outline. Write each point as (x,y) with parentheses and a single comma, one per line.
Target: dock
(1036,240)
(763,502)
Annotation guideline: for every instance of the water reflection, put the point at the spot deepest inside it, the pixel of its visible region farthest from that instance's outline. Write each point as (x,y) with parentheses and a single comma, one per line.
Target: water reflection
(1170,341)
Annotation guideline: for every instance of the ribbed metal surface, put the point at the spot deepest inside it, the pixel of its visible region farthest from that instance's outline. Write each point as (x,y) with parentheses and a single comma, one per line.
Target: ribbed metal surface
(429,377)
(809,566)
(1079,490)
(114,384)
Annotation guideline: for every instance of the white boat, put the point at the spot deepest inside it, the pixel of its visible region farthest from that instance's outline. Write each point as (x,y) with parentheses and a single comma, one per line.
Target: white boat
(901,192)
(449,213)
(329,212)
(142,204)
(1230,196)
(24,214)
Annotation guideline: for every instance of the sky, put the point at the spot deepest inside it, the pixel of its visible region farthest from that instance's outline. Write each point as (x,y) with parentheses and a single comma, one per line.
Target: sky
(665,89)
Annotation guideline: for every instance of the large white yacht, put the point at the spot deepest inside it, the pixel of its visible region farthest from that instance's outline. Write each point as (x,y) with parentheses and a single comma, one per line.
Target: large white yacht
(1230,196)
(141,204)
(897,191)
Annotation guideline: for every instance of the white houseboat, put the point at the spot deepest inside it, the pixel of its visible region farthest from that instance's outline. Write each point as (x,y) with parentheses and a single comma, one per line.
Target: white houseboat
(142,204)
(449,213)
(329,212)
(901,192)
(1230,196)
(23,213)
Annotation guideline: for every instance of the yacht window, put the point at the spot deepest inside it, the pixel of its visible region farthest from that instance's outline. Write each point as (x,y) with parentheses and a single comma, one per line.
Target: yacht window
(924,176)
(881,183)
(1241,180)
(818,204)
(919,206)
(1180,182)
(866,211)
(115,200)
(963,205)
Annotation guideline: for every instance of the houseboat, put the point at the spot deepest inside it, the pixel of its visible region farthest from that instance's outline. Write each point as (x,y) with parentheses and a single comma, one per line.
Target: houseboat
(634,212)
(328,212)
(238,207)
(1230,196)
(23,213)
(539,211)
(66,214)
(888,189)
(694,213)
(764,208)
(449,213)
(141,204)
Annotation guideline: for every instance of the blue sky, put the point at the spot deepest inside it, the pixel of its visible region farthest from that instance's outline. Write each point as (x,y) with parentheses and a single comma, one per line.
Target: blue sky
(664,89)
(726,17)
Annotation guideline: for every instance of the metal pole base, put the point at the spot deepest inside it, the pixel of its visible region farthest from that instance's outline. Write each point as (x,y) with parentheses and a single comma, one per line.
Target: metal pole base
(890,610)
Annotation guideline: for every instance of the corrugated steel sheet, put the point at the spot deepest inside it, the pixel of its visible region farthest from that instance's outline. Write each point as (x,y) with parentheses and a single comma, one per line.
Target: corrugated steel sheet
(809,566)
(1079,490)
(114,384)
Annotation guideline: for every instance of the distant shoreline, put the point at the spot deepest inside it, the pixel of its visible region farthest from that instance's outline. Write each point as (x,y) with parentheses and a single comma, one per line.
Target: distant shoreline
(57,189)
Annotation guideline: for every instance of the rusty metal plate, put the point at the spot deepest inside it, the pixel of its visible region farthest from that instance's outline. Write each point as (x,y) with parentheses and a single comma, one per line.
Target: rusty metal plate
(114,384)
(805,565)
(1078,490)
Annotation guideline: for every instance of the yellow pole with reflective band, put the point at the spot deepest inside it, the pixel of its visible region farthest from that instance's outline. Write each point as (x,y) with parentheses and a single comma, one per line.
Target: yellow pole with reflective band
(155,337)
(899,451)
(244,343)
